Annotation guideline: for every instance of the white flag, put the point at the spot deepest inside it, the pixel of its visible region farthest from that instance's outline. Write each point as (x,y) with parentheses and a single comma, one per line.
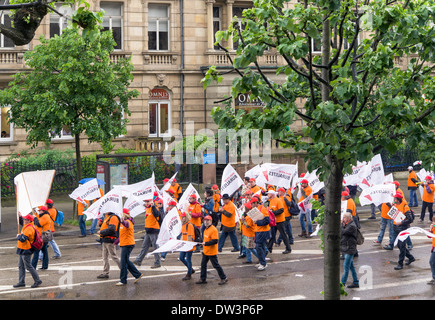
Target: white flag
(231,181)
(143,190)
(378,194)
(314,181)
(280,175)
(87,191)
(183,203)
(410,231)
(32,189)
(354,177)
(110,202)
(170,228)
(373,173)
(175,245)
(135,205)
(168,184)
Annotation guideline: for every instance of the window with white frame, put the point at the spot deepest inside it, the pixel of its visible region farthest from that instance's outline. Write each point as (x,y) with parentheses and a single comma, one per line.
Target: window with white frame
(159,113)
(6,20)
(112,20)
(64,134)
(5,126)
(57,22)
(158,27)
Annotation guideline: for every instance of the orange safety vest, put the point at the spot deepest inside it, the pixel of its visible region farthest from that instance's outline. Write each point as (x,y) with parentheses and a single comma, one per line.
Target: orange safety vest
(210,233)
(126,234)
(30,234)
(229,222)
(275,204)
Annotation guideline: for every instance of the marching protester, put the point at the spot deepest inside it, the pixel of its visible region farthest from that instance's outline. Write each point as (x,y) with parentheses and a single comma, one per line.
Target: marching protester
(432,254)
(412,187)
(386,221)
(81,208)
(109,233)
(228,223)
(217,203)
(210,252)
(277,208)
(53,214)
(305,213)
(428,198)
(127,243)
(152,229)
(208,204)
(286,198)
(195,211)
(400,226)
(42,222)
(262,233)
(348,246)
(187,234)
(176,189)
(25,239)
(248,235)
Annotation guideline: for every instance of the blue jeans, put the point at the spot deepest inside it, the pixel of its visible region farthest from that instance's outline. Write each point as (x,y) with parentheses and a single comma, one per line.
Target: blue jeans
(82,225)
(261,249)
(44,257)
(249,253)
(93,226)
(55,247)
(127,265)
(413,198)
(432,264)
(306,214)
(348,265)
(186,258)
(233,238)
(384,224)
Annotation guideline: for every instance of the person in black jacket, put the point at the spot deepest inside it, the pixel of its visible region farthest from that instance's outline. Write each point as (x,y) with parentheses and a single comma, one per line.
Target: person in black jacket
(348,248)
(399,227)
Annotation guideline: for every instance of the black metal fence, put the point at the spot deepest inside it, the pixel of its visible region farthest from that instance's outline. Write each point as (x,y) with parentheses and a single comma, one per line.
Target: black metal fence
(400,161)
(141,167)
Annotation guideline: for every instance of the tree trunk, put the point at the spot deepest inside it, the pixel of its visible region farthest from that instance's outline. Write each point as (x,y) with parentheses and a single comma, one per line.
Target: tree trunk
(332,230)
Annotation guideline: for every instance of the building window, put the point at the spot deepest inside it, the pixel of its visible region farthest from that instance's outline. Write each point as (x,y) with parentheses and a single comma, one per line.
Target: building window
(217,23)
(112,20)
(158,27)
(5,126)
(5,42)
(159,113)
(57,22)
(64,134)
(316,45)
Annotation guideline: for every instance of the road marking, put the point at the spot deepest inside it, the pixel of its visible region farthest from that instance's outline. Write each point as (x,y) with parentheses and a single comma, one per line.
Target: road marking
(295,297)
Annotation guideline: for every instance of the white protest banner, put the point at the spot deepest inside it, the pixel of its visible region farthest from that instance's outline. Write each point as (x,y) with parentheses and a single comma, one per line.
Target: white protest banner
(305,204)
(396,215)
(354,178)
(183,203)
(143,190)
(314,181)
(87,191)
(135,205)
(110,202)
(373,173)
(32,189)
(422,174)
(175,245)
(253,172)
(343,208)
(255,214)
(280,175)
(389,178)
(295,179)
(378,194)
(170,228)
(410,231)
(231,181)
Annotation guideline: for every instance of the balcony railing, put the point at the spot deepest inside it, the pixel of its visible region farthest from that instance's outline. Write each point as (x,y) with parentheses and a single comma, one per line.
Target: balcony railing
(268,59)
(11,56)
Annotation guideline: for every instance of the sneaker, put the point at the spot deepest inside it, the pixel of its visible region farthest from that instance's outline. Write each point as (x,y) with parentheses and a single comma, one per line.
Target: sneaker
(103,276)
(235,250)
(201,282)
(36,284)
(261,267)
(138,278)
(411,260)
(286,251)
(120,284)
(155,266)
(353,285)
(187,277)
(432,282)
(376,241)
(223,281)
(137,263)
(388,247)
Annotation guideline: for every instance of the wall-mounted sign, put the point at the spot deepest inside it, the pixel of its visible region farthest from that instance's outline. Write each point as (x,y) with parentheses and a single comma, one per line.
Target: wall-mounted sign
(244,100)
(159,94)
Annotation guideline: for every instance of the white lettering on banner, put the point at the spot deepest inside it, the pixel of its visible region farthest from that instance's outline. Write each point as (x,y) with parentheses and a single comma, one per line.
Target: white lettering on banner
(378,194)
(396,214)
(280,175)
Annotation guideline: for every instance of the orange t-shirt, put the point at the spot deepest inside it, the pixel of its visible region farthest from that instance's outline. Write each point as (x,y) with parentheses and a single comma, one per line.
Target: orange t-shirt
(412,175)
(429,197)
(195,208)
(229,222)
(384,211)
(150,221)
(28,230)
(126,234)
(210,233)
(248,227)
(275,204)
(265,213)
(187,230)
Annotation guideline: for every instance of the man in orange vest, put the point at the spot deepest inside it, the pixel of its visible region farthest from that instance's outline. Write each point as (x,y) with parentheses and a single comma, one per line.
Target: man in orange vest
(25,251)
(53,214)
(305,213)
(428,198)
(262,233)
(176,188)
(109,233)
(210,252)
(412,187)
(277,208)
(228,222)
(152,229)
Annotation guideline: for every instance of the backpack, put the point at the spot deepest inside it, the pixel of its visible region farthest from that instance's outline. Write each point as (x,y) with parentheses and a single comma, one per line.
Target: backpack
(294,208)
(198,237)
(59,218)
(359,237)
(412,215)
(37,243)
(272,218)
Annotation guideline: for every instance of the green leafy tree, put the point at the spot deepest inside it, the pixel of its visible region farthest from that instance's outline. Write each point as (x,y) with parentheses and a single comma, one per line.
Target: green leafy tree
(72,84)
(356,98)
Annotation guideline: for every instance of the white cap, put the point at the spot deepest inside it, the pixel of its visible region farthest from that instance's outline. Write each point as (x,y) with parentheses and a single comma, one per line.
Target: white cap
(410,167)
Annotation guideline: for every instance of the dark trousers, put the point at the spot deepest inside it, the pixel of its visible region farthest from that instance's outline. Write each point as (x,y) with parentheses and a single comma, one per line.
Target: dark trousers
(429,206)
(214,263)
(403,252)
(127,265)
(35,257)
(280,226)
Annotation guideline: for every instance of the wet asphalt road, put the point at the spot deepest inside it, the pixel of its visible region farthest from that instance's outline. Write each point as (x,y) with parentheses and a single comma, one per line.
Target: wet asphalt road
(294,276)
